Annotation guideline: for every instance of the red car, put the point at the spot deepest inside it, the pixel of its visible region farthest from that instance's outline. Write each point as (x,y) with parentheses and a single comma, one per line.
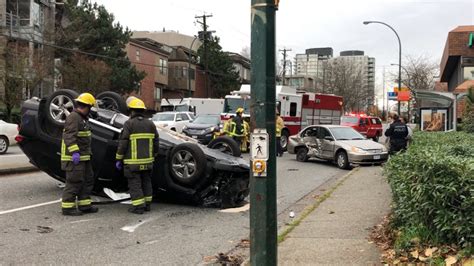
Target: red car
(369,126)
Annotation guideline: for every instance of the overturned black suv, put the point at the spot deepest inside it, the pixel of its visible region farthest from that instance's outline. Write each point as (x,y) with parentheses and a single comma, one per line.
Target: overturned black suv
(184,171)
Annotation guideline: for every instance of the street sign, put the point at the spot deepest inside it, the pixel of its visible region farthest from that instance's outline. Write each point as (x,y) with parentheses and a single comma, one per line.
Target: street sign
(404,96)
(395,89)
(259,144)
(392,96)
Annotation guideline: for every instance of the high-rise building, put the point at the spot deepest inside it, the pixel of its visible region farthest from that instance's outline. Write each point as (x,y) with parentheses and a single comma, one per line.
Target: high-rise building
(364,65)
(311,64)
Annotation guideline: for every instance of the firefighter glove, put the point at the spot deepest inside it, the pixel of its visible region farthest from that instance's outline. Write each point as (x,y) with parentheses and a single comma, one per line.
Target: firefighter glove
(118,165)
(76,158)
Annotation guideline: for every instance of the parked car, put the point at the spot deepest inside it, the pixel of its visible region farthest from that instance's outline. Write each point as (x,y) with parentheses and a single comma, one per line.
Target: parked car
(174,121)
(203,128)
(184,171)
(8,132)
(369,126)
(339,144)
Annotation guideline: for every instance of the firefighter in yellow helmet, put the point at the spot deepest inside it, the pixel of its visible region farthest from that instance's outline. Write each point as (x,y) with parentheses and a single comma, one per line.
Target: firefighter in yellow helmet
(237,126)
(279,127)
(246,138)
(75,159)
(138,147)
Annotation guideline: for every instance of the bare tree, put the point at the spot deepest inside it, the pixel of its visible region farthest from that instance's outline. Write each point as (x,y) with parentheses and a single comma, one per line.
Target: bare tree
(418,72)
(25,71)
(346,79)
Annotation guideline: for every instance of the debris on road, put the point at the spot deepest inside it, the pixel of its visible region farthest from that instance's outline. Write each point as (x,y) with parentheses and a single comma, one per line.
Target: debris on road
(24,229)
(246,207)
(292,214)
(44,229)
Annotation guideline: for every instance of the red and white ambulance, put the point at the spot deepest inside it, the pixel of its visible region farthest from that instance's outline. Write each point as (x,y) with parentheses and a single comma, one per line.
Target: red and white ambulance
(297,108)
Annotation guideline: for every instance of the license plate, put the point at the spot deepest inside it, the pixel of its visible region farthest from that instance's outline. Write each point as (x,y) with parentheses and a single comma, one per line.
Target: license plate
(195,137)
(377,157)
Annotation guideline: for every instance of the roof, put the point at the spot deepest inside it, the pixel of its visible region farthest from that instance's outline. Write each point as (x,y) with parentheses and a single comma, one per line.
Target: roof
(466,28)
(170,38)
(463,87)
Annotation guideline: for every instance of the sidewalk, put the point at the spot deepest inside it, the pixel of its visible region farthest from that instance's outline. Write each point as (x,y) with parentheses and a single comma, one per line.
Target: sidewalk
(336,232)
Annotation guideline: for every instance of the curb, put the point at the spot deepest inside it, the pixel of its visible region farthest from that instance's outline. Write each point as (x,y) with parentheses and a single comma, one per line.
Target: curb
(18,170)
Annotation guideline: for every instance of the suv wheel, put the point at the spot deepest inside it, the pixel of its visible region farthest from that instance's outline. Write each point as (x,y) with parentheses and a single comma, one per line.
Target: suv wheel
(59,105)
(187,163)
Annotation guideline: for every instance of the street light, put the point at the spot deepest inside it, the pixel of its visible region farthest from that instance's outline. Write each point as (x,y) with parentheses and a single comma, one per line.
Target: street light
(399,54)
(189,66)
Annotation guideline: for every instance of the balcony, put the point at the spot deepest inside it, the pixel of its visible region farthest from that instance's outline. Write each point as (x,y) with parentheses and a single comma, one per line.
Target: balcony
(24,28)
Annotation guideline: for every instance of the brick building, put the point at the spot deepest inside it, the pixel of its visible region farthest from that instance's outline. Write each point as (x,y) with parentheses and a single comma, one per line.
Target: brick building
(457,63)
(150,57)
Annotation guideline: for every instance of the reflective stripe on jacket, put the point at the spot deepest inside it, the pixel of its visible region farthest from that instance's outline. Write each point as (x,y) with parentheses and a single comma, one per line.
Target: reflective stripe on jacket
(236,125)
(76,138)
(138,144)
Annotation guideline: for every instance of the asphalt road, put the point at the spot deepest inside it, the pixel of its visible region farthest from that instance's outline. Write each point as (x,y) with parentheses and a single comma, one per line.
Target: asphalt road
(14,158)
(170,234)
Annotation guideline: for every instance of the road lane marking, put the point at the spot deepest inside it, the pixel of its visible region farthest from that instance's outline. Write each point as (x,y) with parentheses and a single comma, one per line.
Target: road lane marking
(131,228)
(30,207)
(82,221)
(15,155)
(246,207)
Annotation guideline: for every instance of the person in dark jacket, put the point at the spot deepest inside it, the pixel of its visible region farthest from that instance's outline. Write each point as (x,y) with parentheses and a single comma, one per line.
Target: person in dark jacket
(76,159)
(398,133)
(138,147)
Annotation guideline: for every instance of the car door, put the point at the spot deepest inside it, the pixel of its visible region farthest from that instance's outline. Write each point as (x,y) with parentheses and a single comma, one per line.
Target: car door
(363,126)
(181,120)
(327,143)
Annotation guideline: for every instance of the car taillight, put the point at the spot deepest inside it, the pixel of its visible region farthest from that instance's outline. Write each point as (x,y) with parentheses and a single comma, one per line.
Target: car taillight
(19,138)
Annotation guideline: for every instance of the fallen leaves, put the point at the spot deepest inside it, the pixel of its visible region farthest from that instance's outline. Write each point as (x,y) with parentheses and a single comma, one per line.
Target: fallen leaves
(430,251)
(450,260)
(44,229)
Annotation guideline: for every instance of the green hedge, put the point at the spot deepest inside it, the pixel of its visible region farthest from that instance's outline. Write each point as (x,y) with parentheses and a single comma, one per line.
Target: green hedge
(433,187)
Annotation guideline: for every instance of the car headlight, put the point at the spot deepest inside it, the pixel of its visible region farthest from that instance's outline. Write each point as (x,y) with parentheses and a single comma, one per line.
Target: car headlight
(357,150)
(384,149)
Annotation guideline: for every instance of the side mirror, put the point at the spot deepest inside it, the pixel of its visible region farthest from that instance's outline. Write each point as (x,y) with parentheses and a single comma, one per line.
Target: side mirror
(329,138)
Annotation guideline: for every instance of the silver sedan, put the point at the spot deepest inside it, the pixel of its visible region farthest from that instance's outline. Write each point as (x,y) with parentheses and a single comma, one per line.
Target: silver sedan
(339,144)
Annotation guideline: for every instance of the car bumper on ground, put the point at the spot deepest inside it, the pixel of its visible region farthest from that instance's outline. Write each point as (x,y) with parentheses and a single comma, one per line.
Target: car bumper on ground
(357,158)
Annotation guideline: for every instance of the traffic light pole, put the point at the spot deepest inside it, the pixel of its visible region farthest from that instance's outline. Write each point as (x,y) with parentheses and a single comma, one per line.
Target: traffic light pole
(263,219)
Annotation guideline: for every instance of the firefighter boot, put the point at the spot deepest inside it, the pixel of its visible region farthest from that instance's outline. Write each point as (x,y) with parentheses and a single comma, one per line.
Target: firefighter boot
(137,209)
(71,212)
(148,207)
(88,209)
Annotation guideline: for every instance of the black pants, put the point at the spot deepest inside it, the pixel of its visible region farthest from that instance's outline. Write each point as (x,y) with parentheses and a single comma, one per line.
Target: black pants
(79,184)
(139,185)
(238,140)
(279,148)
(397,146)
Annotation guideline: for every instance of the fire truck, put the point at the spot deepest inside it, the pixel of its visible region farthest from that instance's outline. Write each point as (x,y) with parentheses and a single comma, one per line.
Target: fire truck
(297,108)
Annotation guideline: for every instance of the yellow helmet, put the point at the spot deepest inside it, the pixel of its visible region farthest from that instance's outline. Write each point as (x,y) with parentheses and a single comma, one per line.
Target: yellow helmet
(86,98)
(129,99)
(136,104)
(239,110)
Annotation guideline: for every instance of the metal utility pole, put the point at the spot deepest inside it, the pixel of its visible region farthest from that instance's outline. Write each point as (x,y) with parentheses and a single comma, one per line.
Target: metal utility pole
(263,218)
(383,95)
(190,94)
(399,56)
(284,63)
(204,39)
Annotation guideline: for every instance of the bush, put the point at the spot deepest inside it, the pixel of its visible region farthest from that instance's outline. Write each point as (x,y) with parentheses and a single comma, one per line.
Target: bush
(433,188)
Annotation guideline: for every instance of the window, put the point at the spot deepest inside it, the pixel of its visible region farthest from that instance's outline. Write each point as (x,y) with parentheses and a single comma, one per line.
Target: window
(323,132)
(163,66)
(183,71)
(157,93)
(137,55)
(183,117)
(293,109)
(468,73)
(192,73)
(311,132)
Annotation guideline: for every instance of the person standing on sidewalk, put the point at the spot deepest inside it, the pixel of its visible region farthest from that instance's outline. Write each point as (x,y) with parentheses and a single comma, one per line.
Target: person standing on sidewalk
(397,132)
(279,127)
(76,159)
(138,146)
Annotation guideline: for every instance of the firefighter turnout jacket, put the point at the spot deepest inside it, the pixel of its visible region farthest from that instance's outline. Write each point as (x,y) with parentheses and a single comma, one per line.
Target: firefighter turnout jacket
(138,143)
(76,138)
(279,126)
(237,127)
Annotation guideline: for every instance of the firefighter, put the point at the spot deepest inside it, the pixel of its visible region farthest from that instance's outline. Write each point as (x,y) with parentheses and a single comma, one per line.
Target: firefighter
(76,159)
(237,127)
(279,127)
(246,138)
(138,146)
(226,128)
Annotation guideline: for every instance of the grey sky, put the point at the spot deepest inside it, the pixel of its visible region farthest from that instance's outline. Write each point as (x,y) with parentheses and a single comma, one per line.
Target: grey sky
(422,24)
